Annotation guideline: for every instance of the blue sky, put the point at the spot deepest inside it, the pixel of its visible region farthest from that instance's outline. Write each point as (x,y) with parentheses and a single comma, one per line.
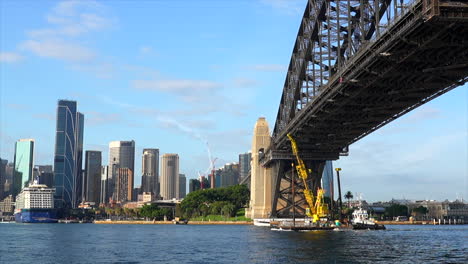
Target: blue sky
(174,75)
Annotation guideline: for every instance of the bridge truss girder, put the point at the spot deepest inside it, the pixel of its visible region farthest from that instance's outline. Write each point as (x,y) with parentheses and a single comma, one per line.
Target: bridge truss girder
(358,65)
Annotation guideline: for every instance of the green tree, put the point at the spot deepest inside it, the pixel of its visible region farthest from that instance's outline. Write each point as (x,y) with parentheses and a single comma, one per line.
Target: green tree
(204,209)
(119,211)
(396,210)
(237,195)
(228,210)
(349,196)
(419,211)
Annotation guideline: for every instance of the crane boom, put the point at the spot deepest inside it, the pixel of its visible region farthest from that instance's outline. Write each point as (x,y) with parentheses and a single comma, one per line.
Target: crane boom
(317,208)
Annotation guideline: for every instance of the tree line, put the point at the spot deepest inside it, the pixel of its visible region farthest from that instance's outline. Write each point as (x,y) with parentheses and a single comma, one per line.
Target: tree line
(219,201)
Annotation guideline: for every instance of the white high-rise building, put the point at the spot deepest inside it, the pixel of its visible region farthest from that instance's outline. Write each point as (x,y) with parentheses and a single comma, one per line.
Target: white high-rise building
(121,155)
(170,176)
(150,171)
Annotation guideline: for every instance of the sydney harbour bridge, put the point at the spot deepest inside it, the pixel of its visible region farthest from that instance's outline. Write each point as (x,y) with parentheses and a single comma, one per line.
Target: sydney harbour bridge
(357,65)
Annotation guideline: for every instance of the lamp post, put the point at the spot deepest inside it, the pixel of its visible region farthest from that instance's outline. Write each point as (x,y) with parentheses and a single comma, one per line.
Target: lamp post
(340,207)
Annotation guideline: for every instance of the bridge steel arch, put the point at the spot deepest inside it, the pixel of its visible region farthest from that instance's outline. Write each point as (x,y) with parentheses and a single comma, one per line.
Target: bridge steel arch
(356,66)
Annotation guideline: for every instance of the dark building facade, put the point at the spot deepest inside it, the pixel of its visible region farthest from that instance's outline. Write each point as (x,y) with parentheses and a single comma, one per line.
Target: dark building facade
(45,174)
(92,176)
(194,185)
(68,155)
(150,171)
(244,164)
(123,185)
(3,164)
(182,186)
(229,175)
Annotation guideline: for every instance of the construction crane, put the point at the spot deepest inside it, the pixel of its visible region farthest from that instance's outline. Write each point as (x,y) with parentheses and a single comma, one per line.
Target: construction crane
(317,207)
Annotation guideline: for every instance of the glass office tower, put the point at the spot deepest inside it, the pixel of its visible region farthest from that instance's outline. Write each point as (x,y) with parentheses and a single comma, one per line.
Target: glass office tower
(327,179)
(24,149)
(68,155)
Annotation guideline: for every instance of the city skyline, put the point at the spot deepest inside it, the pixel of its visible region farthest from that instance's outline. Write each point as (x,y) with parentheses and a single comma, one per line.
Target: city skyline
(233,80)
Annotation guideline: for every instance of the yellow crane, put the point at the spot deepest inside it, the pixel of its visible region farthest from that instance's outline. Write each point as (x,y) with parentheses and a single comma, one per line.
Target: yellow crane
(317,207)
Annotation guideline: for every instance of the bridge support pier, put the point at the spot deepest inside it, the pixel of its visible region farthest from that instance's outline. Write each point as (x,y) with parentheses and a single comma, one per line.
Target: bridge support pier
(284,174)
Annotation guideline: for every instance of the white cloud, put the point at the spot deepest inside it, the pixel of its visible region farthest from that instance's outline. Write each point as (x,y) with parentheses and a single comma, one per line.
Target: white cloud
(18,106)
(145,50)
(67,21)
(290,7)
(245,82)
(58,49)
(268,67)
(176,86)
(74,18)
(10,57)
(100,70)
(98,118)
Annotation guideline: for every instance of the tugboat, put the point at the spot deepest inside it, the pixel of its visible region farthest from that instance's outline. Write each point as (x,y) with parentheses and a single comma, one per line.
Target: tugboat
(361,221)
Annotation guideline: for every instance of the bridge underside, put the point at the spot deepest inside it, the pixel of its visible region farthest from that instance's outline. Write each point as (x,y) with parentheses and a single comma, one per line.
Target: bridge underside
(413,63)
(420,56)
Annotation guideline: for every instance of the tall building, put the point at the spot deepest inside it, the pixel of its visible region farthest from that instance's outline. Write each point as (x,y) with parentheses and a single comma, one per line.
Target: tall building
(68,155)
(244,164)
(194,185)
(23,170)
(104,194)
(9,172)
(92,176)
(169,176)
(327,179)
(150,171)
(3,164)
(123,185)
(45,173)
(182,185)
(121,155)
(228,175)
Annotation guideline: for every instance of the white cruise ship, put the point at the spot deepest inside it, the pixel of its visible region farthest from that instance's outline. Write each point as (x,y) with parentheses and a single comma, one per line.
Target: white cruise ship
(35,204)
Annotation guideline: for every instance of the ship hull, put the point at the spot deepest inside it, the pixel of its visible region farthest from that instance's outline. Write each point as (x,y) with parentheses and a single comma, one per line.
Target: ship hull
(363,226)
(36,216)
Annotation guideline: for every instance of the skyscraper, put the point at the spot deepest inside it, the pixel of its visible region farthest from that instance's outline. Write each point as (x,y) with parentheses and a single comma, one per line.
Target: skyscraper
(194,185)
(327,179)
(170,176)
(123,185)
(68,154)
(92,176)
(104,185)
(121,155)
(3,164)
(24,157)
(244,164)
(150,171)
(45,174)
(182,185)
(229,175)
(9,172)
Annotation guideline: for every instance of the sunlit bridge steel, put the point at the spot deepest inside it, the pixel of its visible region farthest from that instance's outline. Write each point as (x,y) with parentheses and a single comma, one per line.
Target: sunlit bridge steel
(356,66)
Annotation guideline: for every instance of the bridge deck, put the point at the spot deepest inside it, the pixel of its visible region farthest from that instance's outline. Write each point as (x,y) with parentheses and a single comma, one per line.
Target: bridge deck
(420,57)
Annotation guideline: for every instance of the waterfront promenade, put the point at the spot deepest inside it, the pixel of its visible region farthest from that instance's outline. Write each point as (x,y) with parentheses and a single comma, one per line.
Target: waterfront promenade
(172,223)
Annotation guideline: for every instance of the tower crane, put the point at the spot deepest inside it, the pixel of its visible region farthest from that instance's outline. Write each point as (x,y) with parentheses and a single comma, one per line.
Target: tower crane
(317,207)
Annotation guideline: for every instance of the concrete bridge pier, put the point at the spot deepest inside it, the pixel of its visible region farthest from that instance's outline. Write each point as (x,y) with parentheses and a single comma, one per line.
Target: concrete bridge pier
(261,180)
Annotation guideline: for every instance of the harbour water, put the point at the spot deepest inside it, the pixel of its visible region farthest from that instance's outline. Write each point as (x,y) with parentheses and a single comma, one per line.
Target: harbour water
(91,243)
